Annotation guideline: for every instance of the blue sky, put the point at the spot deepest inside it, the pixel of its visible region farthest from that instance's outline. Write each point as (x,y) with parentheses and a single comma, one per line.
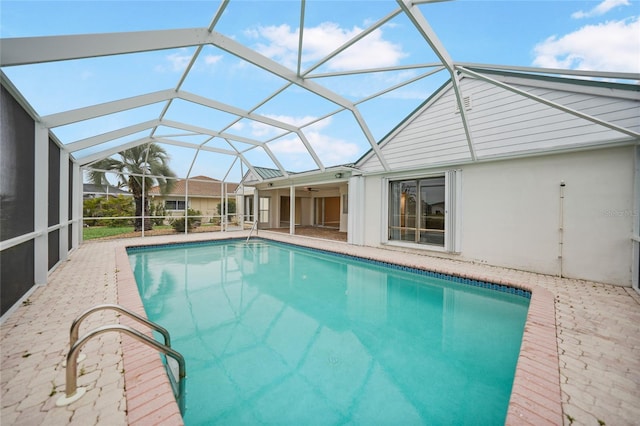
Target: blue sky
(595,35)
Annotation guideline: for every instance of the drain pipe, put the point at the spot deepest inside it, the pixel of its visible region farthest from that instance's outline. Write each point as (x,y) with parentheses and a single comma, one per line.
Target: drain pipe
(561,236)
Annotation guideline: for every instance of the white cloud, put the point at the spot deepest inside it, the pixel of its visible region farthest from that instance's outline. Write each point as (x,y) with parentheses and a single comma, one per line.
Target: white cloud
(288,146)
(609,46)
(259,129)
(300,121)
(330,150)
(282,45)
(262,130)
(600,9)
(212,59)
(178,61)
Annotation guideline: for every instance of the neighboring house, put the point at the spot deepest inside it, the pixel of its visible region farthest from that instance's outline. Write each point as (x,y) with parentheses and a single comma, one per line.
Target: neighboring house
(90,190)
(537,173)
(205,194)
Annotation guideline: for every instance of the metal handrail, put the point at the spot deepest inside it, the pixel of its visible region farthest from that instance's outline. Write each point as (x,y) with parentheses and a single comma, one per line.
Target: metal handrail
(75,326)
(71,387)
(72,392)
(253,227)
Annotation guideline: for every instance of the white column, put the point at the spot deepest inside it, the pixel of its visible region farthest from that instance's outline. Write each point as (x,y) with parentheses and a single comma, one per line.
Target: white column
(355,221)
(256,205)
(453,212)
(76,206)
(344,218)
(41,204)
(292,210)
(186,204)
(64,204)
(635,243)
(223,216)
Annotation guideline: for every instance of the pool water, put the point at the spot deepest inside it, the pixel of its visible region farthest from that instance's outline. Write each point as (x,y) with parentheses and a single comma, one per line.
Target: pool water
(278,334)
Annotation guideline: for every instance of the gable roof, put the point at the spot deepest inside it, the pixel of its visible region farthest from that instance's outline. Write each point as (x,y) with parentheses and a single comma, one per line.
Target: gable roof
(509,114)
(199,186)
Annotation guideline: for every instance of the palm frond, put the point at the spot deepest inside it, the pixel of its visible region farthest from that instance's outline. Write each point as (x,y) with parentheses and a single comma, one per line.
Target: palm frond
(150,160)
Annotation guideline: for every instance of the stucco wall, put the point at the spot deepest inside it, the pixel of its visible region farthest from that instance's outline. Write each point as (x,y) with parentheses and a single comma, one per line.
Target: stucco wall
(511,214)
(207,206)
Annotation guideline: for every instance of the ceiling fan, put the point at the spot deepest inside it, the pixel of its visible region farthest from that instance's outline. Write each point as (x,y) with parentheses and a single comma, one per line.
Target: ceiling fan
(309,189)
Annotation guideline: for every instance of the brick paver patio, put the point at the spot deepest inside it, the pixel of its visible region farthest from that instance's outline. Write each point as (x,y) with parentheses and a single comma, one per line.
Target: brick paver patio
(597,335)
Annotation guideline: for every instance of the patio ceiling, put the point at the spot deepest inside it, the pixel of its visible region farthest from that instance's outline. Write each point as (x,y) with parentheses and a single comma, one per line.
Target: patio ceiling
(204,125)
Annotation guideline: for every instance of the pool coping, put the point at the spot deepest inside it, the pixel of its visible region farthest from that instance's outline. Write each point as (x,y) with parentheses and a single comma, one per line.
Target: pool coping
(535,396)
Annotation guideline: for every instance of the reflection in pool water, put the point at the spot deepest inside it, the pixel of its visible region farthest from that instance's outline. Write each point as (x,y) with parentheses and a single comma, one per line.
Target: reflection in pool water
(274,333)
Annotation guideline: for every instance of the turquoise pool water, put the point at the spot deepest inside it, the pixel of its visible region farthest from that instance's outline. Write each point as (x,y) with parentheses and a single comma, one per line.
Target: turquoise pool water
(278,334)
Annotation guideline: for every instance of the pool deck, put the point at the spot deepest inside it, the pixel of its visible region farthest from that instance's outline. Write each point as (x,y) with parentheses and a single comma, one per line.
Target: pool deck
(578,364)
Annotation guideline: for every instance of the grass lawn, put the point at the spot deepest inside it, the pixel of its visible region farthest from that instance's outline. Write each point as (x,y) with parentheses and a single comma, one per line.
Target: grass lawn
(94,232)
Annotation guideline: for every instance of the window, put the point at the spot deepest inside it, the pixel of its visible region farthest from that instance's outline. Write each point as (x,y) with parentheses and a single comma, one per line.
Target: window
(174,205)
(417,210)
(263,213)
(327,211)
(426,210)
(248,208)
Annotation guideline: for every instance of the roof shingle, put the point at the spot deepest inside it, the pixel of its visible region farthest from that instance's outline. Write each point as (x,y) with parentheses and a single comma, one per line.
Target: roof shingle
(199,186)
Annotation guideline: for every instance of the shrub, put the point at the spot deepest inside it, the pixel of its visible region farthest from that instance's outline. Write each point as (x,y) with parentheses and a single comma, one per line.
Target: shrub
(193,221)
(231,207)
(109,207)
(157,210)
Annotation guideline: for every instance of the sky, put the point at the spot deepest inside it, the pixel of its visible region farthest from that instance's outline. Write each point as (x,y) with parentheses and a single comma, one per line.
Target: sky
(588,35)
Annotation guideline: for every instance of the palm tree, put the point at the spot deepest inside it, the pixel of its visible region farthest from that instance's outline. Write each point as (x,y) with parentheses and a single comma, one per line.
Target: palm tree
(150,160)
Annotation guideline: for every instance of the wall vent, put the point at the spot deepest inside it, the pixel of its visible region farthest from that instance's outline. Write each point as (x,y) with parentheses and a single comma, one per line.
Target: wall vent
(466,101)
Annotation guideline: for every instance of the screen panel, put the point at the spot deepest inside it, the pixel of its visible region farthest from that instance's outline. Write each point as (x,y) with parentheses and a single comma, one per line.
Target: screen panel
(54,184)
(17,136)
(18,276)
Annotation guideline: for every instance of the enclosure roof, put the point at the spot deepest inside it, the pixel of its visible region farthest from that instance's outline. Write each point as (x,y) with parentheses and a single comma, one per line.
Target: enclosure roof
(266,173)
(267,89)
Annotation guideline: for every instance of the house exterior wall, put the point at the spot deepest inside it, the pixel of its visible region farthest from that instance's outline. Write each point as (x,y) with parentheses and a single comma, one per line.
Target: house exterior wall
(207,206)
(373,214)
(510,213)
(527,138)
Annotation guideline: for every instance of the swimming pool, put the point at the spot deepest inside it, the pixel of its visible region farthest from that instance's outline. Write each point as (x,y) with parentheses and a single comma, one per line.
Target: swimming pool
(274,333)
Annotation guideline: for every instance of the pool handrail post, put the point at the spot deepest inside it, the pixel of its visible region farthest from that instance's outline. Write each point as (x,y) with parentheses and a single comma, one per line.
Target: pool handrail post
(253,227)
(73,393)
(75,326)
